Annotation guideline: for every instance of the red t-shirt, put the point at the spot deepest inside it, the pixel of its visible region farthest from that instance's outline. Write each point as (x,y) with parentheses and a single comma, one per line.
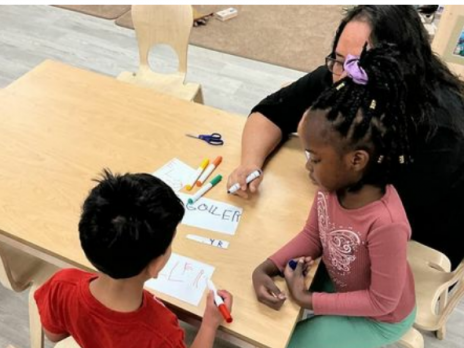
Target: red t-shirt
(67,306)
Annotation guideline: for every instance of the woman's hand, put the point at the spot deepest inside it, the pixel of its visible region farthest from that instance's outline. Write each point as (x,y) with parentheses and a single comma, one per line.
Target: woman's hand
(266,290)
(239,176)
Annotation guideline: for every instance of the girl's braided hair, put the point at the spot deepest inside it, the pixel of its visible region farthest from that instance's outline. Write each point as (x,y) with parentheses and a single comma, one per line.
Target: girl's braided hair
(371,116)
(425,74)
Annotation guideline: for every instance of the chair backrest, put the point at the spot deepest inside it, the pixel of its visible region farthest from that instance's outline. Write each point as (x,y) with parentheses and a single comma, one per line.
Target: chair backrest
(454,278)
(163,24)
(433,280)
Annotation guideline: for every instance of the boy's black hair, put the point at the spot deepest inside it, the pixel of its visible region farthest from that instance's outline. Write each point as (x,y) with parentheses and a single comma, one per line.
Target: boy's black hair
(372,117)
(127,221)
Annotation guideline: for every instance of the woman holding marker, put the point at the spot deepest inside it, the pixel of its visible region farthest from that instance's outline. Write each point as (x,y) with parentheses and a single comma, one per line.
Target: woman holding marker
(355,136)
(432,186)
(253,176)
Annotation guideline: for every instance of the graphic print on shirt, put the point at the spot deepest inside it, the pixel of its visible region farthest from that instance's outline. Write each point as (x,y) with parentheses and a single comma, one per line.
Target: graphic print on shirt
(339,243)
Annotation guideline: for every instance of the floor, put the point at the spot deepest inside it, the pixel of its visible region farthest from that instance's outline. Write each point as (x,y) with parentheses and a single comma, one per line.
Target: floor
(31,34)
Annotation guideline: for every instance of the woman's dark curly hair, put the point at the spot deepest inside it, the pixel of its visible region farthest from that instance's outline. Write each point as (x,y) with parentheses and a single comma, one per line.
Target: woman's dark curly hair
(424,72)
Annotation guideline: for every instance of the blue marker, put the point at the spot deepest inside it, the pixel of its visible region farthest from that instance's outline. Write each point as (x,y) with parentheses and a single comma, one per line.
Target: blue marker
(293,264)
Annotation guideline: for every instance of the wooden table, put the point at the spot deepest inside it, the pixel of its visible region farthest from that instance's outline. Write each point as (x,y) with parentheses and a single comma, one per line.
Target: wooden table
(60,126)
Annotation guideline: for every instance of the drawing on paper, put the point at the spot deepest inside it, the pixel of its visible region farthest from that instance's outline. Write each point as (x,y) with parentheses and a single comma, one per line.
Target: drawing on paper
(182,278)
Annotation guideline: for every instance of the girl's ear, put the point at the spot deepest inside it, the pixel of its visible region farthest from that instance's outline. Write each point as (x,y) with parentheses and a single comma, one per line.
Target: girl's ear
(359,160)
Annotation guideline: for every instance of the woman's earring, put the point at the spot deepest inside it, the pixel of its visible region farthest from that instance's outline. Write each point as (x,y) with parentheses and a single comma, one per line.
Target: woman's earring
(380,159)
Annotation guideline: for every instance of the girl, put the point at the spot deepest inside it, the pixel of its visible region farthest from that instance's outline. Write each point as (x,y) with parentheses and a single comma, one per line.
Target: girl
(354,136)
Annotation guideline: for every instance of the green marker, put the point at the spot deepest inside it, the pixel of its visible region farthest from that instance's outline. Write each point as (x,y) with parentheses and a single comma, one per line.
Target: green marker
(205,189)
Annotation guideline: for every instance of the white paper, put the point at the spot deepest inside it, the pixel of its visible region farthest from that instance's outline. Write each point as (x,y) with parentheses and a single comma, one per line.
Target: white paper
(205,213)
(182,278)
(210,214)
(218,243)
(175,173)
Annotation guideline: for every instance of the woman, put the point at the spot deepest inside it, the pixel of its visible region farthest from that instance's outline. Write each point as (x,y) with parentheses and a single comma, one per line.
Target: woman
(432,187)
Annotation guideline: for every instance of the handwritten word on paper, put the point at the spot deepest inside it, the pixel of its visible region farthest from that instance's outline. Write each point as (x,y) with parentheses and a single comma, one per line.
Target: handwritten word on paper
(218,243)
(182,278)
(211,215)
(175,173)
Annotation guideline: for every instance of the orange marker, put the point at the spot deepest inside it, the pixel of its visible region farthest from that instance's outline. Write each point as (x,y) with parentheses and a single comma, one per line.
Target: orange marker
(220,303)
(209,170)
(198,172)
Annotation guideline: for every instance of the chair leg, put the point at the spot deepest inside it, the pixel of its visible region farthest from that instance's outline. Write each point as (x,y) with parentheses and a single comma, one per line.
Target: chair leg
(35,326)
(199,97)
(412,339)
(440,333)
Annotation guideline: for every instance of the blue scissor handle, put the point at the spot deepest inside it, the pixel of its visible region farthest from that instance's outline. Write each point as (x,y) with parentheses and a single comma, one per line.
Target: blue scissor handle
(213,139)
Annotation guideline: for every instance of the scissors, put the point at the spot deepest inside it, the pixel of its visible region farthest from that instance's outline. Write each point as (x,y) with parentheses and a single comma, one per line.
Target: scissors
(212,139)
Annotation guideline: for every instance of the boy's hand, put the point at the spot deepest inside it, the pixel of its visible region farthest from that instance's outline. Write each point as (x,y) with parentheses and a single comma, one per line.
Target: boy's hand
(212,316)
(266,290)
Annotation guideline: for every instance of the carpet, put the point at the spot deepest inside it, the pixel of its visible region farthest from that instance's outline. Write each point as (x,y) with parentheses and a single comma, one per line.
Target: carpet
(102,11)
(297,37)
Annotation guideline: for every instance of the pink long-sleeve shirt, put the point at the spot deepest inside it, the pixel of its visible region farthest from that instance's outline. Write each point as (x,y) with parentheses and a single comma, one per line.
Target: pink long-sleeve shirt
(365,253)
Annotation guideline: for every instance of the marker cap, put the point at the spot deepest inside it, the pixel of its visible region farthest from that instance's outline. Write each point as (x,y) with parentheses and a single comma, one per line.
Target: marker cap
(217,179)
(217,161)
(225,313)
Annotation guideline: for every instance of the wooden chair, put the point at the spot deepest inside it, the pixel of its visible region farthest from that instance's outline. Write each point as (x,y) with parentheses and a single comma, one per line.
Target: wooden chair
(163,25)
(67,343)
(19,271)
(433,280)
(412,339)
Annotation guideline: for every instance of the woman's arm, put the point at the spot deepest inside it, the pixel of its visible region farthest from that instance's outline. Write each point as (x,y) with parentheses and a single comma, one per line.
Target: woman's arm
(272,120)
(260,137)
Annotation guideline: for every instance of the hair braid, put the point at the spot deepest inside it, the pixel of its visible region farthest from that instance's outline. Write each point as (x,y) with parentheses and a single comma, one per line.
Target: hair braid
(372,116)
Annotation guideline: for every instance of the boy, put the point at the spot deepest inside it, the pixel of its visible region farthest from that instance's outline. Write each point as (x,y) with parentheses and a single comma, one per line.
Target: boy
(126,229)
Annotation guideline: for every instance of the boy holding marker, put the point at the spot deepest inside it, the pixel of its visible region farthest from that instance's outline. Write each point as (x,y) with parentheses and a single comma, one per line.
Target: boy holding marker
(126,231)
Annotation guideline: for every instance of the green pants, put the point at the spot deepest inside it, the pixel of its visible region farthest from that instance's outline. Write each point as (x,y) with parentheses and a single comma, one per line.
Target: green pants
(329,331)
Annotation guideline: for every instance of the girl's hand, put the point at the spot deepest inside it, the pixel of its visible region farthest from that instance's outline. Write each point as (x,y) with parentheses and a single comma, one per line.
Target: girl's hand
(266,290)
(296,281)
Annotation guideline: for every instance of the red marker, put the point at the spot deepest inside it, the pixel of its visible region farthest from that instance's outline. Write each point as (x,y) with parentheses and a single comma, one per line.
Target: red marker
(220,302)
